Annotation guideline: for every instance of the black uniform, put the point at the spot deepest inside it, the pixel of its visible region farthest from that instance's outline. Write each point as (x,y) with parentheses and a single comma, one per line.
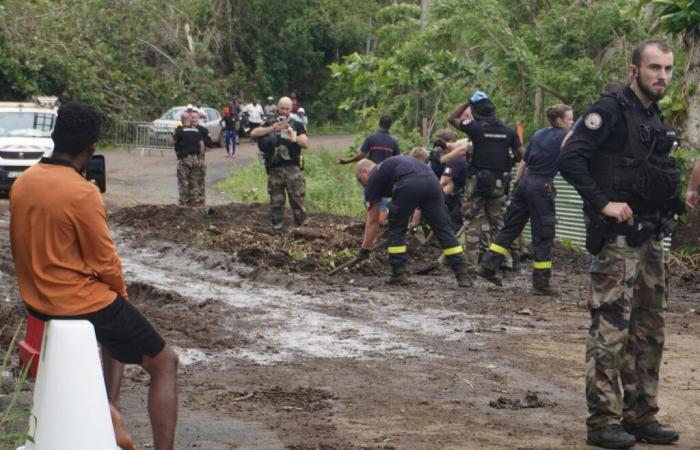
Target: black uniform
(379,146)
(278,151)
(186,141)
(534,199)
(411,184)
(458,171)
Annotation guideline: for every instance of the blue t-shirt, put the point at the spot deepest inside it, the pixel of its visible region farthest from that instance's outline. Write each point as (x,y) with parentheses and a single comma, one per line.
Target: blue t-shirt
(543,151)
(383,177)
(457,170)
(380,146)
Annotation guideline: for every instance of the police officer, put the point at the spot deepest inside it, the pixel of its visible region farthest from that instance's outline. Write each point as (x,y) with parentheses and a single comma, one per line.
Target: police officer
(189,149)
(489,171)
(281,142)
(533,200)
(618,160)
(411,184)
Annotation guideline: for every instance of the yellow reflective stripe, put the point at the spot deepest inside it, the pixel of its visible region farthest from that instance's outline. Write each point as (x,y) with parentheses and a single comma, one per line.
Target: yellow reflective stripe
(395,250)
(452,250)
(542,265)
(498,249)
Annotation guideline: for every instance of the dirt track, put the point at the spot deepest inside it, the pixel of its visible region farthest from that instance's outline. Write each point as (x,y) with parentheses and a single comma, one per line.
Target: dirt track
(275,354)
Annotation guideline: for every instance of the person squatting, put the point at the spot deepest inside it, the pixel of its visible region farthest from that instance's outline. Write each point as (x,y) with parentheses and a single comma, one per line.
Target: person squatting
(617,156)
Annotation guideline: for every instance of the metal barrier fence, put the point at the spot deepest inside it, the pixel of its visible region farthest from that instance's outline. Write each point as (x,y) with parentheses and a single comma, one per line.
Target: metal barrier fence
(143,136)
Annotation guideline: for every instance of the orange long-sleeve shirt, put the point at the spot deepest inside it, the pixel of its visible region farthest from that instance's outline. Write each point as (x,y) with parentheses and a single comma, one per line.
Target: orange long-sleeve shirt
(65,259)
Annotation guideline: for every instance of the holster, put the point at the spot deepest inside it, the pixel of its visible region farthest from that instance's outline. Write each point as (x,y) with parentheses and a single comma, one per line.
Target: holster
(505,179)
(597,231)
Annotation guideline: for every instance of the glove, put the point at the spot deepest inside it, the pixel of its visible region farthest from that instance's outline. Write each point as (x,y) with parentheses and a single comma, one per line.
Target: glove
(363,254)
(435,157)
(440,143)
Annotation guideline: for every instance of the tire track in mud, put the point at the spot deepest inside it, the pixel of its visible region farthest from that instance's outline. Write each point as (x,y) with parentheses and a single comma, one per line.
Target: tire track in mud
(207,304)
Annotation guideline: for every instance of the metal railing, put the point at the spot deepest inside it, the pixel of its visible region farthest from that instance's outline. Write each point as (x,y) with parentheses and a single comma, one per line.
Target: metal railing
(142,136)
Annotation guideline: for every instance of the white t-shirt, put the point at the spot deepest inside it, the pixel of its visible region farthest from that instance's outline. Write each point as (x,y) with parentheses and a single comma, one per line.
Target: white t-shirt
(255,112)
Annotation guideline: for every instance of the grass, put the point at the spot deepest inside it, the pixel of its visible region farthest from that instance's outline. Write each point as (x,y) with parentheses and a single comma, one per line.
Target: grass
(10,389)
(330,188)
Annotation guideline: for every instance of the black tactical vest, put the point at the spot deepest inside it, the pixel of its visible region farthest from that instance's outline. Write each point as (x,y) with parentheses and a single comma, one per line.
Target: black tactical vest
(493,152)
(642,173)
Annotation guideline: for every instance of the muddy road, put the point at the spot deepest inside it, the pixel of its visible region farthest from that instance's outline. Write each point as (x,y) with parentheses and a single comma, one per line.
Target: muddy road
(275,354)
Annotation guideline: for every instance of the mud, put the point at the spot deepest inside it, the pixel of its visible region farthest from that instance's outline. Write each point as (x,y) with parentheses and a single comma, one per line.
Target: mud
(277,354)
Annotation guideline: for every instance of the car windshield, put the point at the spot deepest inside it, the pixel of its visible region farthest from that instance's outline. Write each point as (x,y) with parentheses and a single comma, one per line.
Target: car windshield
(173,114)
(27,124)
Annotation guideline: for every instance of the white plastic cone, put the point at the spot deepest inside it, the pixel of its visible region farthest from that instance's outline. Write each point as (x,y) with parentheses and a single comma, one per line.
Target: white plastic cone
(70,410)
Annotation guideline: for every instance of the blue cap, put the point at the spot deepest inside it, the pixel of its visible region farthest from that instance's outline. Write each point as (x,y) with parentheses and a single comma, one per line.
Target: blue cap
(478,96)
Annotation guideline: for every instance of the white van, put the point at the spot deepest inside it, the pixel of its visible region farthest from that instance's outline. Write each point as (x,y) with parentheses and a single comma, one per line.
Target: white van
(25,136)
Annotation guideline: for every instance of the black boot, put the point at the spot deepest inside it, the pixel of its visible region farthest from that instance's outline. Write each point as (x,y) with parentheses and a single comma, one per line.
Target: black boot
(399,275)
(464,278)
(490,267)
(652,432)
(612,436)
(541,283)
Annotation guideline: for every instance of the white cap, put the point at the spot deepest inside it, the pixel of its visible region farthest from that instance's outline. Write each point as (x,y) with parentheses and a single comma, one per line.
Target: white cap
(301,110)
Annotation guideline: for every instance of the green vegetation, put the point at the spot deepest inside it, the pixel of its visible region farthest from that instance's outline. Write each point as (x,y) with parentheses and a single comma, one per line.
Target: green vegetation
(12,418)
(330,188)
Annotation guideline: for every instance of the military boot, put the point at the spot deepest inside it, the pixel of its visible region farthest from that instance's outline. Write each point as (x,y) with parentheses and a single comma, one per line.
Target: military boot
(652,432)
(399,276)
(612,436)
(541,283)
(489,267)
(464,278)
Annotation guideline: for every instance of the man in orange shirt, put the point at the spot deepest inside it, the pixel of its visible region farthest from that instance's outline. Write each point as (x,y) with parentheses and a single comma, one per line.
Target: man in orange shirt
(68,268)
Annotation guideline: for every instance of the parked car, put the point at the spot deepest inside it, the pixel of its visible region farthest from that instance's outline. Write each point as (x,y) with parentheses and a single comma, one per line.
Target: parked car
(25,136)
(161,130)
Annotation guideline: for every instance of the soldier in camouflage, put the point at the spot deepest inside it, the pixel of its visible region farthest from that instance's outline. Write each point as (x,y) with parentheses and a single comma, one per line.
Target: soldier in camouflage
(281,141)
(495,146)
(618,160)
(191,170)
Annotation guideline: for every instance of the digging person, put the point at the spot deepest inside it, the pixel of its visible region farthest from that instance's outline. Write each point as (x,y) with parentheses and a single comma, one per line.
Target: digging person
(534,201)
(618,159)
(281,142)
(411,184)
(68,268)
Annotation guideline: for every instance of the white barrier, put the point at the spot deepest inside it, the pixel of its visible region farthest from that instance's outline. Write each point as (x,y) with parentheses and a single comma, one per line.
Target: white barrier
(70,410)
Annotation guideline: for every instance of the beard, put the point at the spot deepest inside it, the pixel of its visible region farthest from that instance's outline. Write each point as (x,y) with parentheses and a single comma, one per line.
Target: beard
(651,95)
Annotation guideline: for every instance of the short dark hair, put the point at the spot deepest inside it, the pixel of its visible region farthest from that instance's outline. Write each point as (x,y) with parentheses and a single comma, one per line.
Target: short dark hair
(446,135)
(78,126)
(483,108)
(556,112)
(385,122)
(639,49)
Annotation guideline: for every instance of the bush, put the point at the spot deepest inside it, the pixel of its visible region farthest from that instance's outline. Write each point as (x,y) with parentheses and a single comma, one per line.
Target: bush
(11,386)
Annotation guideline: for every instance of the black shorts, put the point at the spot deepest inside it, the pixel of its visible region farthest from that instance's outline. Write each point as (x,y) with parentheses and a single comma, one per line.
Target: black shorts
(122,330)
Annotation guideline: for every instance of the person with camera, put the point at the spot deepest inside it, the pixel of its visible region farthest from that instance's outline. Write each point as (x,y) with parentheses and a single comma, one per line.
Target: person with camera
(68,268)
(189,149)
(494,147)
(533,200)
(618,159)
(281,142)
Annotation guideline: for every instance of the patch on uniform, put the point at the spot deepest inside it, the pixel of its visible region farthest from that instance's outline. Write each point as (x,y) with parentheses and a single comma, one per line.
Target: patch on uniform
(593,121)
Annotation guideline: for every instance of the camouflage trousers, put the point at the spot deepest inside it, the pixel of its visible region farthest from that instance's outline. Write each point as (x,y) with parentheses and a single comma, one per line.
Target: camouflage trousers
(191,175)
(626,339)
(282,182)
(483,218)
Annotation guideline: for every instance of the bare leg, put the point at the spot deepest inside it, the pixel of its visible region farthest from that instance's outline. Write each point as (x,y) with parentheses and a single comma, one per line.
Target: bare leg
(162,397)
(113,373)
